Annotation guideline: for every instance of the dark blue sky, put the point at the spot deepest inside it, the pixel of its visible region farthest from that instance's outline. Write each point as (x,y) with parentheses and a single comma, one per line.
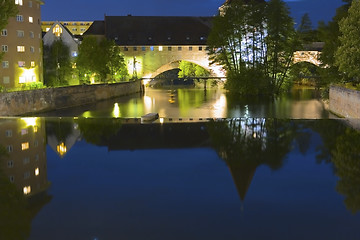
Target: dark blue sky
(95,9)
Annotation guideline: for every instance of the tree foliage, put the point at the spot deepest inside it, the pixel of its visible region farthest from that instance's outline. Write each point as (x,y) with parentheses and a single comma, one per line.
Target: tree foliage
(254,42)
(191,70)
(7,9)
(99,59)
(347,56)
(57,64)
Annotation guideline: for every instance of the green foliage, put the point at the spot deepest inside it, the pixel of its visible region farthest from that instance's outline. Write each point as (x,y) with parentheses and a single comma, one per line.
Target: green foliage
(347,56)
(57,64)
(191,70)
(305,73)
(254,42)
(99,59)
(305,30)
(7,9)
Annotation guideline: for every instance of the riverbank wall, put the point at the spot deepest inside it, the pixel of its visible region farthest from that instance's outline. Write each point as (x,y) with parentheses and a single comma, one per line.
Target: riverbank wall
(48,99)
(344,102)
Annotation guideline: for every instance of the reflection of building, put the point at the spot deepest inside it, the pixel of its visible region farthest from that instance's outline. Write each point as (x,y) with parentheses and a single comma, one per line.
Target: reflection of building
(75,27)
(25,165)
(21,40)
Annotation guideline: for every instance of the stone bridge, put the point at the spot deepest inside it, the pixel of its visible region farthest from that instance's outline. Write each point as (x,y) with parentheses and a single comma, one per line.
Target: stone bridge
(310,53)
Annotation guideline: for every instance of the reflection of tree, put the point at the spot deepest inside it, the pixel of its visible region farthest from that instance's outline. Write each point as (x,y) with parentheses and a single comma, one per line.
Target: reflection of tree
(95,130)
(346,158)
(61,128)
(246,144)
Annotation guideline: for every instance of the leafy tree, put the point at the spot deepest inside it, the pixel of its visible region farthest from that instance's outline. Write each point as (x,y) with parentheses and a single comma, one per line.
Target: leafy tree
(305,30)
(99,59)
(254,42)
(57,64)
(191,70)
(347,56)
(7,9)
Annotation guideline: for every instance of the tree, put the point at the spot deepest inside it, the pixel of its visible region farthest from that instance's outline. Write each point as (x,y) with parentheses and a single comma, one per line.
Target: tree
(7,9)
(254,42)
(305,30)
(347,56)
(57,64)
(98,59)
(191,70)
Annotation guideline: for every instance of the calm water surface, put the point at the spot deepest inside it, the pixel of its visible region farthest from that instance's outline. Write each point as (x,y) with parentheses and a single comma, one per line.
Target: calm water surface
(301,103)
(105,178)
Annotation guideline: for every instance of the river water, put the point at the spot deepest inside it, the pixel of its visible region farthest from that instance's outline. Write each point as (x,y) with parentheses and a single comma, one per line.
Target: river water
(300,103)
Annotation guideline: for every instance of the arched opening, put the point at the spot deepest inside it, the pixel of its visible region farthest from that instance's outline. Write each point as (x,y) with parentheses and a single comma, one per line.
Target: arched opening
(305,73)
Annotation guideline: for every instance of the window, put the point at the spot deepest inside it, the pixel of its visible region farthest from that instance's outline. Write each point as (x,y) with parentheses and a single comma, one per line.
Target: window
(4,48)
(190,48)
(30,4)
(20,48)
(32,49)
(37,157)
(135,48)
(19,18)
(26,175)
(5,64)
(21,64)
(31,20)
(151,48)
(169,48)
(31,34)
(12,179)
(47,29)
(9,148)
(126,49)
(24,131)
(20,33)
(21,79)
(57,30)
(143,49)
(37,171)
(32,64)
(25,146)
(179,48)
(19,2)
(26,160)
(4,32)
(10,164)
(27,190)
(6,80)
(74,29)
(200,48)
(82,29)
(160,48)
(36,143)
(8,133)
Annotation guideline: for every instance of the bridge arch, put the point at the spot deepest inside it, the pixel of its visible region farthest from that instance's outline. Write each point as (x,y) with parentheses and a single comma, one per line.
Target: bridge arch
(312,57)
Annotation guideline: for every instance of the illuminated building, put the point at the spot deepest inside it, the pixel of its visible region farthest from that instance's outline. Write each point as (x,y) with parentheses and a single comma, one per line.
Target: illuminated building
(152,45)
(25,162)
(21,42)
(75,27)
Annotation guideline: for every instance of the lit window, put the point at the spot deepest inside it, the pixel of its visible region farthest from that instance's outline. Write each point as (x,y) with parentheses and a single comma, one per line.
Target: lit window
(61,149)
(19,2)
(31,20)
(152,48)
(21,79)
(25,146)
(179,48)
(20,33)
(47,29)
(35,129)
(21,64)
(6,80)
(32,64)
(4,32)
(37,171)
(27,190)
(143,48)
(160,48)
(74,53)
(30,3)
(20,48)
(32,35)
(57,30)
(32,49)
(19,18)
(5,64)
(4,48)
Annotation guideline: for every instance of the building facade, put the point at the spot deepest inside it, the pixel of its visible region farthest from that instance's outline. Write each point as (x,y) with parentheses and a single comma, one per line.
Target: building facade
(21,42)
(75,27)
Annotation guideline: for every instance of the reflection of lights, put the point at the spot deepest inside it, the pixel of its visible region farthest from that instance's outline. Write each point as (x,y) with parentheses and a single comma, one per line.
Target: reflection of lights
(27,190)
(87,114)
(220,107)
(148,103)
(116,112)
(37,172)
(28,75)
(161,120)
(146,81)
(61,149)
(30,122)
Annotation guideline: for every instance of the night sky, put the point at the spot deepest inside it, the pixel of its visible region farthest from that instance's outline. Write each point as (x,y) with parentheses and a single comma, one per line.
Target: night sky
(68,10)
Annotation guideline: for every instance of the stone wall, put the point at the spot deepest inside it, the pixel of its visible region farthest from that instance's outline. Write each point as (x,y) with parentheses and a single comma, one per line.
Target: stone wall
(344,102)
(24,102)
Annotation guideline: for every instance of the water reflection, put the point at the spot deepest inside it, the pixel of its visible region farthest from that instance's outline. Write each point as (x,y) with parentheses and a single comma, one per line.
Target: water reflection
(301,103)
(296,152)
